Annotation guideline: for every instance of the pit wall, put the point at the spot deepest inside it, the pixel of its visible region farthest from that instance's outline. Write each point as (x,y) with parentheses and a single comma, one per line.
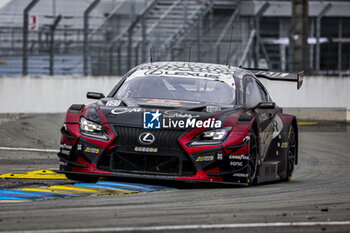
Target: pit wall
(46,94)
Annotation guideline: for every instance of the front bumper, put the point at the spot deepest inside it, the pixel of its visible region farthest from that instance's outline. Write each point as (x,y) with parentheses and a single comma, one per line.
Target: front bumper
(148,177)
(79,155)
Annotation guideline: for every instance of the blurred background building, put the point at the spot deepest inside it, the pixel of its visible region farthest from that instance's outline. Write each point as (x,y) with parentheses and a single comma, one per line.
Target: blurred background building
(109,37)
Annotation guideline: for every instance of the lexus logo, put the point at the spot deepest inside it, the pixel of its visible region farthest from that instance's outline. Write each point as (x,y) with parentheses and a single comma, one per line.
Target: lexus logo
(146,138)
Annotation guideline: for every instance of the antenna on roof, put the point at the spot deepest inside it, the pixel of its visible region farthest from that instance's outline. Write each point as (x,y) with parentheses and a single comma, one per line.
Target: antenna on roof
(150,55)
(229,48)
(189,54)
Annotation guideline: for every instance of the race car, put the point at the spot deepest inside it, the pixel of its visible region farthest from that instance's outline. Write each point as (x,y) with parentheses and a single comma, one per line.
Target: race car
(183,121)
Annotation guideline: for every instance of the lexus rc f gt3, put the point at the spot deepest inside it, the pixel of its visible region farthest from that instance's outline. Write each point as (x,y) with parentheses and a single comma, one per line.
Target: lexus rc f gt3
(183,121)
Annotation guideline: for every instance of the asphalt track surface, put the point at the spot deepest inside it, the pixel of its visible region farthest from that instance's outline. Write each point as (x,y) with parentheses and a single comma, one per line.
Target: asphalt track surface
(317,199)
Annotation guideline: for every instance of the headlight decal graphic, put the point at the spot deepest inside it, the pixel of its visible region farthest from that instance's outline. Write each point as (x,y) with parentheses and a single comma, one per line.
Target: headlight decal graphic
(92,129)
(211,137)
(89,126)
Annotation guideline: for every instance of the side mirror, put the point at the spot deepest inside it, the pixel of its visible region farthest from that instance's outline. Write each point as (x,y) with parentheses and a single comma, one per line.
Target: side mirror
(94,95)
(265,105)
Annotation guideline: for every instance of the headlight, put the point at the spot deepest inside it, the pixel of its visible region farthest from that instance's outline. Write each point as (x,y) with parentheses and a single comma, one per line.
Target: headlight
(211,137)
(92,129)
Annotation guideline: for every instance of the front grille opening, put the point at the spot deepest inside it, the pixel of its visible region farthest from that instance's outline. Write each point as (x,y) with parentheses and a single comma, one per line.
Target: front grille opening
(166,140)
(170,159)
(147,163)
(105,161)
(188,168)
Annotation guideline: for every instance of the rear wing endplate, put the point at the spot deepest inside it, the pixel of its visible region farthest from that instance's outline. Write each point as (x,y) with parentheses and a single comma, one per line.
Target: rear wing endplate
(279,76)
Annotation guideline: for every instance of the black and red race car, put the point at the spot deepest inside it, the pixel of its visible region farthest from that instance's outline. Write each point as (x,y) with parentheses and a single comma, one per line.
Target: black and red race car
(183,121)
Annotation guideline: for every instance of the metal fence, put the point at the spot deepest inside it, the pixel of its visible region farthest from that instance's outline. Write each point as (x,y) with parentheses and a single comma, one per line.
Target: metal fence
(132,32)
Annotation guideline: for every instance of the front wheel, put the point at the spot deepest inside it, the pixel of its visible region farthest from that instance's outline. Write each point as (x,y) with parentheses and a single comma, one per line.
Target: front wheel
(253,161)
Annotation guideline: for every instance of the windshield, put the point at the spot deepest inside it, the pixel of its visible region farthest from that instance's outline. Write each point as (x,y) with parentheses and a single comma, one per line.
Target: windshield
(177,88)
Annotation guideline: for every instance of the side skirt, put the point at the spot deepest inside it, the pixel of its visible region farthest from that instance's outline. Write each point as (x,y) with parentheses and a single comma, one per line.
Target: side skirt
(268,172)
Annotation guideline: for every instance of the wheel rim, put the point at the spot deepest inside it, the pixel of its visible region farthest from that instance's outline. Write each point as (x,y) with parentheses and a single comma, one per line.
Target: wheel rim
(252,165)
(291,153)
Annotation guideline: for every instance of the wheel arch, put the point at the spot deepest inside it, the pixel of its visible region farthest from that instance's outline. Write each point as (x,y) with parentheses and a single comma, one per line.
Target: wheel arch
(291,120)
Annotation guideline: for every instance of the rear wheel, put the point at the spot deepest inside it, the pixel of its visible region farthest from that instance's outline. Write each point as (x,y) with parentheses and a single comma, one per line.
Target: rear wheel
(82,178)
(292,151)
(252,163)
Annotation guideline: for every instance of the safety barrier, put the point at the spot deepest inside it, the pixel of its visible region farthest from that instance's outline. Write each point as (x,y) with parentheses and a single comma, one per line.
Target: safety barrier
(45,94)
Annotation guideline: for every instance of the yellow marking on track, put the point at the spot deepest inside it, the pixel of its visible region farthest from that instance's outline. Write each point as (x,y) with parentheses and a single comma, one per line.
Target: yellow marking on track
(46,190)
(39,174)
(307,123)
(74,192)
(90,191)
(79,190)
(72,188)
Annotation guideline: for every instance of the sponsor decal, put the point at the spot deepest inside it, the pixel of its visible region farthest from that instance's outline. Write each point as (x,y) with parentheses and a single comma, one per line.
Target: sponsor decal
(178,114)
(152,120)
(219,156)
(65,146)
(277,126)
(118,111)
(92,150)
(166,103)
(204,71)
(272,74)
(65,149)
(146,138)
(146,149)
(65,152)
(185,74)
(235,163)
(239,157)
(212,109)
(205,158)
(79,147)
(113,103)
(184,67)
(240,175)
(62,163)
(217,73)
(284,145)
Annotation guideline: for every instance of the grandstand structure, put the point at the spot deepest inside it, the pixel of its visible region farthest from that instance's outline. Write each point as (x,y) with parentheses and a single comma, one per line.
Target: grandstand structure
(109,37)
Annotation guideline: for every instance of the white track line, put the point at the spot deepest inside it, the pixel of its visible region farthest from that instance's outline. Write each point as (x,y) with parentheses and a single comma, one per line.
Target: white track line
(190,227)
(29,149)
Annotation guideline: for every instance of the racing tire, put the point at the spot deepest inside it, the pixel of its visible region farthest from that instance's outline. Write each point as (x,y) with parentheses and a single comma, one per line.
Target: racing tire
(291,153)
(252,167)
(82,178)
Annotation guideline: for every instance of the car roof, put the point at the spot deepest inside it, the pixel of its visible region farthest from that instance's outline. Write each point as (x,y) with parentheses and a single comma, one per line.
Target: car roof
(190,69)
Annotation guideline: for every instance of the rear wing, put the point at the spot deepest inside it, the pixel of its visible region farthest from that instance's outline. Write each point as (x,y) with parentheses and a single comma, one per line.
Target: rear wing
(279,76)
